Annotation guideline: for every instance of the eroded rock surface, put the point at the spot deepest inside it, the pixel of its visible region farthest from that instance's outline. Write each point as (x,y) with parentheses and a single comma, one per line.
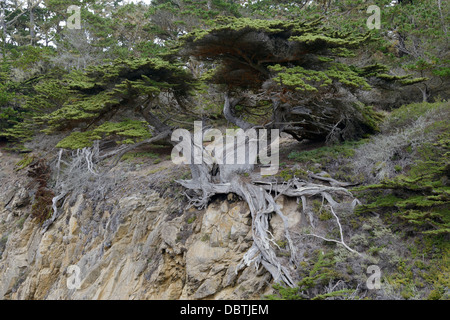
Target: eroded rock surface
(135,246)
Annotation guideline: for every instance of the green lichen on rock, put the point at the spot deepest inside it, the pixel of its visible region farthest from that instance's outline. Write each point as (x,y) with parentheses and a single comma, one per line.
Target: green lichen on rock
(315,274)
(25,162)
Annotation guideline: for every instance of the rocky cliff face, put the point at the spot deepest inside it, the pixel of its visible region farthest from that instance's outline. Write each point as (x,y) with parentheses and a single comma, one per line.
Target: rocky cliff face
(128,234)
(135,244)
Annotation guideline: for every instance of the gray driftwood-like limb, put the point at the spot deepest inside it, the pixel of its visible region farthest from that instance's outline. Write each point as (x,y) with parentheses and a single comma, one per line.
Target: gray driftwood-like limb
(341,241)
(159,137)
(80,168)
(261,202)
(305,189)
(228,112)
(261,198)
(47,223)
(261,205)
(333,182)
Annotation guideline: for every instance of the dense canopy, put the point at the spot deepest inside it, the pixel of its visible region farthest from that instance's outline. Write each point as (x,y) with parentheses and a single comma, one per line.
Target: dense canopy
(298,66)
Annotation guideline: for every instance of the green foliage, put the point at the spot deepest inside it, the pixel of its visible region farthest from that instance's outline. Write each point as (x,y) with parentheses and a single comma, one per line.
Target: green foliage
(319,33)
(25,162)
(47,95)
(9,115)
(170,19)
(128,131)
(310,80)
(5,96)
(308,36)
(402,117)
(322,213)
(129,128)
(191,219)
(83,98)
(78,140)
(370,117)
(423,26)
(325,155)
(427,267)
(14,95)
(131,156)
(292,61)
(31,60)
(316,275)
(420,195)
(288,174)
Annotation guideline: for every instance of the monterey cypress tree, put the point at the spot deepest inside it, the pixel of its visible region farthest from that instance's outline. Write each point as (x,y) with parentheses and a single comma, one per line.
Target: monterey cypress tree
(300,68)
(92,99)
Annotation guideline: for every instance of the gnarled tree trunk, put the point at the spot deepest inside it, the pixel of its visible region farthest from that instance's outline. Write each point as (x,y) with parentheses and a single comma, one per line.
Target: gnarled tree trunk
(260,198)
(260,194)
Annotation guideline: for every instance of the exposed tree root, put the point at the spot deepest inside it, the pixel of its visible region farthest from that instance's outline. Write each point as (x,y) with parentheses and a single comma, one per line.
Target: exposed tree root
(260,199)
(260,196)
(71,176)
(340,233)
